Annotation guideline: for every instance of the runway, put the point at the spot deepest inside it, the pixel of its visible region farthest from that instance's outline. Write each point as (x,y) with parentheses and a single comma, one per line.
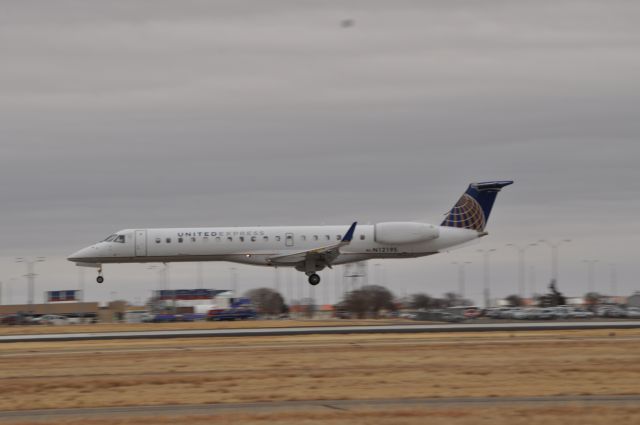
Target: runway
(346,405)
(326,330)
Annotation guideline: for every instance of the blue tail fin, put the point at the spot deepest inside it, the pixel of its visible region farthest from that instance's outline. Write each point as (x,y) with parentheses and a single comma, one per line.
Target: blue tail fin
(474,206)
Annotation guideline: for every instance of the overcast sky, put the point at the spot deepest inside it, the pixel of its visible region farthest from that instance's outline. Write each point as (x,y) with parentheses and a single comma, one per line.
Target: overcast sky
(212,113)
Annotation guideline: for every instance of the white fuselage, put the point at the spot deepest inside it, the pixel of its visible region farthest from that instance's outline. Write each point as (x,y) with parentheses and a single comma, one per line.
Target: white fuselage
(257,245)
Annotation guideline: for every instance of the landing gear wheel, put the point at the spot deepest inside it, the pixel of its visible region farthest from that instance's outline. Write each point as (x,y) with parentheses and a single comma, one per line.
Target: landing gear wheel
(314,279)
(99,279)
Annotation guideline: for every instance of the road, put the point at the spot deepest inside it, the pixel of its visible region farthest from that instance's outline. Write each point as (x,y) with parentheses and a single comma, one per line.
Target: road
(327,330)
(205,409)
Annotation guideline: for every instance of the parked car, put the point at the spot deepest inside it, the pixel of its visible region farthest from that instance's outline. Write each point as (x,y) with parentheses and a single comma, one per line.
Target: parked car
(521,314)
(231,314)
(15,319)
(50,319)
(579,313)
(633,312)
(165,318)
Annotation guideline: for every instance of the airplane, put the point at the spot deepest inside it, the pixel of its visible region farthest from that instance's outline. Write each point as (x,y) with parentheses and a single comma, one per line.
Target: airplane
(309,249)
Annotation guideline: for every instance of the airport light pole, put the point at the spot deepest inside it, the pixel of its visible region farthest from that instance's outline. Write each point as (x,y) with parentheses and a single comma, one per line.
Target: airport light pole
(376,274)
(81,282)
(461,277)
(199,273)
(521,251)
(613,276)
(590,274)
(9,288)
(554,255)
(234,281)
(276,279)
(486,278)
(31,275)
(156,268)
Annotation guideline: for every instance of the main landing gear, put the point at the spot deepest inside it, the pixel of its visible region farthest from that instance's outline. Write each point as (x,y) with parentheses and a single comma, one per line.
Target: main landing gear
(314,279)
(100,279)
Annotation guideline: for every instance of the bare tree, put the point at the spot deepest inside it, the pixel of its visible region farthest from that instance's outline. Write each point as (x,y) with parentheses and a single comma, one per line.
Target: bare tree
(515,300)
(369,300)
(266,300)
(422,301)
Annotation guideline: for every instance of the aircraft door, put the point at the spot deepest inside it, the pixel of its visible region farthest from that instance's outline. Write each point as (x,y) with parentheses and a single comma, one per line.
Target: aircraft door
(288,239)
(141,243)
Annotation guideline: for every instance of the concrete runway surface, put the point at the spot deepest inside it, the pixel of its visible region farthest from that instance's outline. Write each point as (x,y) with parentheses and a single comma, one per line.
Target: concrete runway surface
(186,409)
(326,330)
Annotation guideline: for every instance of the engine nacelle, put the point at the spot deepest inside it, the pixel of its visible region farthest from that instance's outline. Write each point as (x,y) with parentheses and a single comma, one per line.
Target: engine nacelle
(404,232)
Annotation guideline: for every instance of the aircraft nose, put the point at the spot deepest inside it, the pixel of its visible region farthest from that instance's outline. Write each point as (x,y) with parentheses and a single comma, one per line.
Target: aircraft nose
(81,255)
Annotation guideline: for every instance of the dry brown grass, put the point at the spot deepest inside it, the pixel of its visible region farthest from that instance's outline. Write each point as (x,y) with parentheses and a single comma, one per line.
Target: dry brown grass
(132,327)
(222,370)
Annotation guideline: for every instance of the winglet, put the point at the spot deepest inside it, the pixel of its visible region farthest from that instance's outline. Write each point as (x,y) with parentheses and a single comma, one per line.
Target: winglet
(349,235)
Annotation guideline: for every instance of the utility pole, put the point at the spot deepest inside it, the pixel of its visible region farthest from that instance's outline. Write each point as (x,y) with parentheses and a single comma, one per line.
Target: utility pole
(554,255)
(31,275)
(200,275)
(81,282)
(234,281)
(613,279)
(521,251)
(461,277)
(486,278)
(590,274)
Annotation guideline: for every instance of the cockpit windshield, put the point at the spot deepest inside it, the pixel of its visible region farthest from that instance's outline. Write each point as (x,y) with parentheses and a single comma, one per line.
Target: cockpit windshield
(115,238)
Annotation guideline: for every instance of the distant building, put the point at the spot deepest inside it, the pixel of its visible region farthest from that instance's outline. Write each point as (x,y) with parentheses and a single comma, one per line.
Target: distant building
(190,300)
(634,300)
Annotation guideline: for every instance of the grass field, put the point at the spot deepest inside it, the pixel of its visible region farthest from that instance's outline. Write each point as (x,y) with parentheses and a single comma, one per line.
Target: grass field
(316,367)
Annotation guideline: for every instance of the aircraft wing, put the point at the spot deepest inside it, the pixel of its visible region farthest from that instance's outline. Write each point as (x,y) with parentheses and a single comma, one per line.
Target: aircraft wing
(326,253)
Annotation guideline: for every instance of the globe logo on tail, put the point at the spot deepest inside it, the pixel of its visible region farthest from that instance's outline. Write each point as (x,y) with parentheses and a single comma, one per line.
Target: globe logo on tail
(466,213)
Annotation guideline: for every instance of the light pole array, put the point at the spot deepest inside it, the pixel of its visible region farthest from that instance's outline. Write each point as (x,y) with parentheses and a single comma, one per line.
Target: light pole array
(554,255)
(591,264)
(521,251)
(199,272)
(234,281)
(31,275)
(486,278)
(461,277)
(613,278)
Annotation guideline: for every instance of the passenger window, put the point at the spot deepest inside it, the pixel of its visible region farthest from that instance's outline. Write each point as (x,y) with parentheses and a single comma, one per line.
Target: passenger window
(230,239)
(168,240)
(158,240)
(303,237)
(315,237)
(253,238)
(241,238)
(361,237)
(180,240)
(338,237)
(328,237)
(265,238)
(193,238)
(278,238)
(217,238)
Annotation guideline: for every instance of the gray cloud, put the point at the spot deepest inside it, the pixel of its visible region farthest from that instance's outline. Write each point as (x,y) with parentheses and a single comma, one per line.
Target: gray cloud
(151,113)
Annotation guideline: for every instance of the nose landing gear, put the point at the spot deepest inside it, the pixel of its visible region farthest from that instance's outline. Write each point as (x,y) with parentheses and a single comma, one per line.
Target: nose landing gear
(100,279)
